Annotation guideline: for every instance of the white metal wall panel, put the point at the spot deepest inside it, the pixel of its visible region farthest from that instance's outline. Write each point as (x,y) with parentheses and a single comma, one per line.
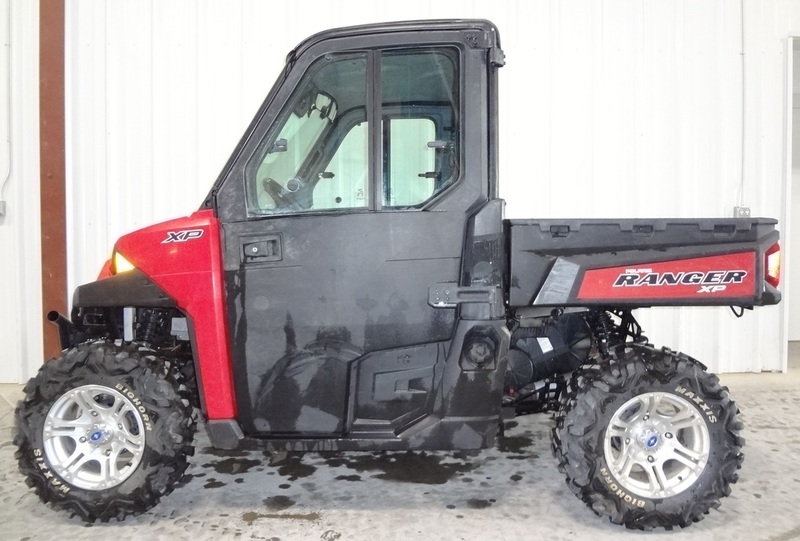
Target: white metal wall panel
(608,109)
(767,108)
(20,271)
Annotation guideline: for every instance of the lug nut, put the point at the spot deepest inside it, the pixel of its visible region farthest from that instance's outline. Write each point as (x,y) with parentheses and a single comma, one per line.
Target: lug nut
(651,459)
(83,440)
(94,414)
(668,435)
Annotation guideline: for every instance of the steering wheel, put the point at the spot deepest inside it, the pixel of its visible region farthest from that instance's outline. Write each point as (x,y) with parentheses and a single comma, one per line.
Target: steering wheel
(284,199)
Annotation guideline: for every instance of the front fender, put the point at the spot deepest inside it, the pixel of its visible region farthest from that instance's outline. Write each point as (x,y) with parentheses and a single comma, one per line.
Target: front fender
(131,288)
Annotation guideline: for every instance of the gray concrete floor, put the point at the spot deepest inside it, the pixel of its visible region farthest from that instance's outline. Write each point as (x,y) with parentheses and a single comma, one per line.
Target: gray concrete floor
(513,491)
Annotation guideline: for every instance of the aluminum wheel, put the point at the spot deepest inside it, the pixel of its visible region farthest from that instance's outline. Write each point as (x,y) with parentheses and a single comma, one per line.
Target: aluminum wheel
(93,437)
(657,444)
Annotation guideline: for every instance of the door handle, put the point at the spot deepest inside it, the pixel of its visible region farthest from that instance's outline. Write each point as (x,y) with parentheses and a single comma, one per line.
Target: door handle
(263,249)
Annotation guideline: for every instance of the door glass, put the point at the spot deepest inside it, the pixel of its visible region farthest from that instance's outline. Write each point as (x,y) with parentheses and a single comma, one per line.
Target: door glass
(316,157)
(412,164)
(420,104)
(343,184)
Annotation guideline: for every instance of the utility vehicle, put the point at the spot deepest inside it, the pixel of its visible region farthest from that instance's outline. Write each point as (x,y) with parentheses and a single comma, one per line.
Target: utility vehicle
(350,284)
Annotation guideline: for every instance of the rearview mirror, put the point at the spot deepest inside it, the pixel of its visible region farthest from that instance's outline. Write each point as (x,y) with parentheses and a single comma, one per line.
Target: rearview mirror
(326,106)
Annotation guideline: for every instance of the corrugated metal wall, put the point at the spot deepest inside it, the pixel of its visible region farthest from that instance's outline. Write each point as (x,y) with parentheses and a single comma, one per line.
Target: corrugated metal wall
(793,270)
(608,109)
(20,271)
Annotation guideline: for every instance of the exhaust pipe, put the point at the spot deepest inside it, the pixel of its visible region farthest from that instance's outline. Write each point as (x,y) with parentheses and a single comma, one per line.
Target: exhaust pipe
(66,329)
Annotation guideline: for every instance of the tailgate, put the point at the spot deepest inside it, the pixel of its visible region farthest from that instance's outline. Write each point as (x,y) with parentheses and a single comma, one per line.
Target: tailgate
(665,262)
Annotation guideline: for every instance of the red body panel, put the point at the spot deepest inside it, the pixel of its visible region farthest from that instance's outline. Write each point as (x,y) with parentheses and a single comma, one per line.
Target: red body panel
(105,272)
(184,258)
(721,276)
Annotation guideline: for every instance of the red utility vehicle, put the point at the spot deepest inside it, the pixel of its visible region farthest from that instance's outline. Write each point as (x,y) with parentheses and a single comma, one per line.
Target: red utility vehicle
(350,283)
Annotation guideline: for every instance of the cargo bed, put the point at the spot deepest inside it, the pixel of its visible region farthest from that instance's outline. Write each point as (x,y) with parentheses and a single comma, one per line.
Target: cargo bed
(645,262)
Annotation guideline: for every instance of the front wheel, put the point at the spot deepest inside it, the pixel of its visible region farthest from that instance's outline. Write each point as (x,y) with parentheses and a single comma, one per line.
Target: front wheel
(649,440)
(104,431)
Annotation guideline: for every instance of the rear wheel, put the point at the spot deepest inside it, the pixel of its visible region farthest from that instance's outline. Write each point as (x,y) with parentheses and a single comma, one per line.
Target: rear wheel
(104,431)
(649,440)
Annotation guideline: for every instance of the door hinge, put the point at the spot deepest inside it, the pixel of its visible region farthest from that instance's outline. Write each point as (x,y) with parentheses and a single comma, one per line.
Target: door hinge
(450,295)
(497,57)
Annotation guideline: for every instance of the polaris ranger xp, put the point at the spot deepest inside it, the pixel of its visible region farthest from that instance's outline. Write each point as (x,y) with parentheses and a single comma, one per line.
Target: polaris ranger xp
(350,283)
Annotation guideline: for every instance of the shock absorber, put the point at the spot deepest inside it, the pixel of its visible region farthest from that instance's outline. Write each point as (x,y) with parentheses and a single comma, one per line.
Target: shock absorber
(604,331)
(150,325)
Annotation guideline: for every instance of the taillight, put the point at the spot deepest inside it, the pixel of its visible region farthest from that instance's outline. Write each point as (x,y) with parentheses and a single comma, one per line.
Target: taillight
(772,264)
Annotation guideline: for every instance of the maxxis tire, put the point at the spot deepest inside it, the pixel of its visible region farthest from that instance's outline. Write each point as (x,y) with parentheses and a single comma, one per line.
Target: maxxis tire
(598,393)
(138,384)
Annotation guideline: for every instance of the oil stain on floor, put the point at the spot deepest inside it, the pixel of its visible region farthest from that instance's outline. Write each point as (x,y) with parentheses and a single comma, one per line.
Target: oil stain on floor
(278,503)
(409,467)
(291,466)
(515,444)
(274,505)
(233,465)
(251,516)
(405,467)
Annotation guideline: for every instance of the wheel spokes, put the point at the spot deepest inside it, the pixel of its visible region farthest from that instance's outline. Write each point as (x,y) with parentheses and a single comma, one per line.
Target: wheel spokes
(656,444)
(652,405)
(133,442)
(84,398)
(684,455)
(94,437)
(108,465)
(626,460)
(67,428)
(658,479)
(685,418)
(75,463)
(618,428)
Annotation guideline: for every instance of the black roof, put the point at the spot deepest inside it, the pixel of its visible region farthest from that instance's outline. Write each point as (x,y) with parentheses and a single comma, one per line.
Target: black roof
(398,26)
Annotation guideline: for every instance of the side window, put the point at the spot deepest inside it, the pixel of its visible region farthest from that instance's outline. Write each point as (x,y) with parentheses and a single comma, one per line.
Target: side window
(343,184)
(316,158)
(420,125)
(411,171)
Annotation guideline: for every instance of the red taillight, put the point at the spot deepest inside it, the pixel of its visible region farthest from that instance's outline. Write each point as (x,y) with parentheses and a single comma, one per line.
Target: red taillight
(772,265)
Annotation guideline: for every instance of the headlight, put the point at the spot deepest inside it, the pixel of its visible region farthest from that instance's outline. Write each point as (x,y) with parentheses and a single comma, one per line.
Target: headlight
(120,264)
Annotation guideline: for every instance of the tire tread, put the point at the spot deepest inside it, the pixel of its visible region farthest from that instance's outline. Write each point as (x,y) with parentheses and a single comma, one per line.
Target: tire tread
(578,433)
(169,445)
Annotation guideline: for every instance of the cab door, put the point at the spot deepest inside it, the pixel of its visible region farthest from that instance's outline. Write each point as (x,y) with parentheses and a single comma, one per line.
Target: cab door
(353,204)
